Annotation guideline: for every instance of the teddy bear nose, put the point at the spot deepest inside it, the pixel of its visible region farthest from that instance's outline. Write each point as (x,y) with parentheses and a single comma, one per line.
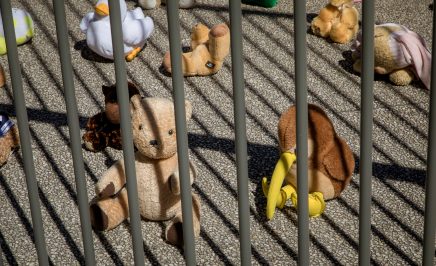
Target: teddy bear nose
(153,142)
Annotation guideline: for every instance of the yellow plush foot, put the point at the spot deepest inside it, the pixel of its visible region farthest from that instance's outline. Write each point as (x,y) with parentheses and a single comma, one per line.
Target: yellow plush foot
(133,54)
(282,197)
(316,203)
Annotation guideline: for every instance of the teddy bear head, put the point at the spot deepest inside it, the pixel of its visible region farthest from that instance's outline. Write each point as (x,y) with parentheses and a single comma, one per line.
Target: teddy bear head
(338,3)
(112,109)
(154,126)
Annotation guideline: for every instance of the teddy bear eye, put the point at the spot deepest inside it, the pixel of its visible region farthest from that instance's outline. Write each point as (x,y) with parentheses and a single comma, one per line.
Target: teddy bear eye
(170,132)
(140,127)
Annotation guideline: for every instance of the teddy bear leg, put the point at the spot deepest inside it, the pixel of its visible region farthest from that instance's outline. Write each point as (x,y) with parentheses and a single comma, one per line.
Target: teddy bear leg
(108,213)
(401,77)
(149,4)
(199,35)
(174,231)
(189,68)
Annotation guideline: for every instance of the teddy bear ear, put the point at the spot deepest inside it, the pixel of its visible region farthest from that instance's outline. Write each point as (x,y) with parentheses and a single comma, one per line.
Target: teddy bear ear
(135,103)
(188,109)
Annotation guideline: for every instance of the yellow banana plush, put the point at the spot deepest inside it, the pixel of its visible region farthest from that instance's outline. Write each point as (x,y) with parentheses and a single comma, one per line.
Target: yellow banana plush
(277,195)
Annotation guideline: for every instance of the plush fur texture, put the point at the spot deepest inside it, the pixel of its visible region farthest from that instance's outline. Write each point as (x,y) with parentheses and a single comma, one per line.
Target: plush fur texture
(209,49)
(398,52)
(9,142)
(330,160)
(156,162)
(103,129)
(2,77)
(338,20)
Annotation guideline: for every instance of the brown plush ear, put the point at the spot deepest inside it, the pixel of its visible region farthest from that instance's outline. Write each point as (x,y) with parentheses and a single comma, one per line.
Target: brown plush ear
(287,130)
(339,161)
(135,103)
(188,109)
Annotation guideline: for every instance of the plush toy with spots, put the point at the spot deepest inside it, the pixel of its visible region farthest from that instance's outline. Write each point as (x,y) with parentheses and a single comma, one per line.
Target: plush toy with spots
(103,129)
(23,25)
(209,48)
(330,163)
(9,138)
(156,163)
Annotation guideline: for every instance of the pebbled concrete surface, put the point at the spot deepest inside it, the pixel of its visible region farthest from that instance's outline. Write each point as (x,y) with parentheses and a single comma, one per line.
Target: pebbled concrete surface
(400,142)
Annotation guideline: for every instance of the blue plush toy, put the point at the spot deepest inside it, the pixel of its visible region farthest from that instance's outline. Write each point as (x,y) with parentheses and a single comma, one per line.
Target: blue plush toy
(136,29)
(23,24)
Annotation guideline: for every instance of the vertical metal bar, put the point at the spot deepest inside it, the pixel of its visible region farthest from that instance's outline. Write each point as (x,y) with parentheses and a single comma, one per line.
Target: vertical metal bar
(240,130)
(74,129)
(430,182)
(302,128)
(182,135)
(23,126)
(126,129)
(366,122)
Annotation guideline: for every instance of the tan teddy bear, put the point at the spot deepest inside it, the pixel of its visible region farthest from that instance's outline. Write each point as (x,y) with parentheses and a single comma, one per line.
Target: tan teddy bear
(209,49)
(156,162)
(339,20)
(398,52)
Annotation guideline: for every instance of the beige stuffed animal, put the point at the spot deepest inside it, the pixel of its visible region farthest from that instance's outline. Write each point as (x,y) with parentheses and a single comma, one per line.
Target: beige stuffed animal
(209,49)
(398,52)
(154,135)
(338,20)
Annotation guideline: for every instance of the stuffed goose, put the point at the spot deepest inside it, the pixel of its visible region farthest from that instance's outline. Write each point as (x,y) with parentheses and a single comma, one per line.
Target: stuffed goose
(136,29)
(23,25)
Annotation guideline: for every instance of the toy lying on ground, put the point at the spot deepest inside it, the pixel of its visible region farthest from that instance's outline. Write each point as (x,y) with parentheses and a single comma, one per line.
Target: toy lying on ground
(103,129)
(398,52)
(23,25)
(156,162)
(330,163)
(209,49)
(136,29)
(9,138)
(338,20)
(152,4)
(263,3)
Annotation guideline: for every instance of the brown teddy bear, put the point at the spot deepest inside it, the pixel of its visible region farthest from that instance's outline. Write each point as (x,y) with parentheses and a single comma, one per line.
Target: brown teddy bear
(330,163)
(154,136)
(2,77)
(398,52)
(103,129)
(9,138)
(339,20)
(209,49)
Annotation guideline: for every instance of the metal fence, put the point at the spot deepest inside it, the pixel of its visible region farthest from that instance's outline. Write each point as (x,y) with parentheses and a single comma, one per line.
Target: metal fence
(240,134)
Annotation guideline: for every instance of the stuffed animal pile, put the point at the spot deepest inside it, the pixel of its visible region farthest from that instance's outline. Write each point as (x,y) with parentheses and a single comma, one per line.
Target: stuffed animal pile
(338,20)
(330,163)
(209,49)
(398,52)
(9,138)
(103,129)
(154,136)
(23,25)
(135,26)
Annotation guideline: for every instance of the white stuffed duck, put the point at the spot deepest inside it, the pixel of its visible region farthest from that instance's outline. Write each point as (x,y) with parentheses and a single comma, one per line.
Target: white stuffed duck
(23,26)
(136,29)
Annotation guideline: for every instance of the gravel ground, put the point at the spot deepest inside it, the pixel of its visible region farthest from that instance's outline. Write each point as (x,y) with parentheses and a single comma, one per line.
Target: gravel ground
(399,157)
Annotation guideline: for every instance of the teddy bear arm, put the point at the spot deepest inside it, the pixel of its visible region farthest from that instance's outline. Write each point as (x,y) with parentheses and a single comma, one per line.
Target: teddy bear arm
(175,178)
(112,181)
(401,77)
(350,17)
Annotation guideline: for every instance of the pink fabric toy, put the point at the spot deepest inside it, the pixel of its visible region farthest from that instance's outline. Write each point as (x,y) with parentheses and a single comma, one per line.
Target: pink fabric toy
(399,52)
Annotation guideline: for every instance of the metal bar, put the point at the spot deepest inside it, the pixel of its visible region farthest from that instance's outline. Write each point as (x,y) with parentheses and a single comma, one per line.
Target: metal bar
(182,135)
(367,98)
(240,130)
(430,182)
(302,128)
(126,129)
(23,126)
(74,129)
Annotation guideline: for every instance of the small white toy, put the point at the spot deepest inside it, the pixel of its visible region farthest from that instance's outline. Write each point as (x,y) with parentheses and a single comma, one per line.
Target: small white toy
(153,4)
(23,25)
(136,29)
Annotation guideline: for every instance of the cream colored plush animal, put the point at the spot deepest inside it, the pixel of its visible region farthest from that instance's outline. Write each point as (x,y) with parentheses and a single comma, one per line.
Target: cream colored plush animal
(156,162)
(398,52)
(339,20)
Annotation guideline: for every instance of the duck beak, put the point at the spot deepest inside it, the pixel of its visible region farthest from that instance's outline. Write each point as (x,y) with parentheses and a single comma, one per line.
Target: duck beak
(102,9)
